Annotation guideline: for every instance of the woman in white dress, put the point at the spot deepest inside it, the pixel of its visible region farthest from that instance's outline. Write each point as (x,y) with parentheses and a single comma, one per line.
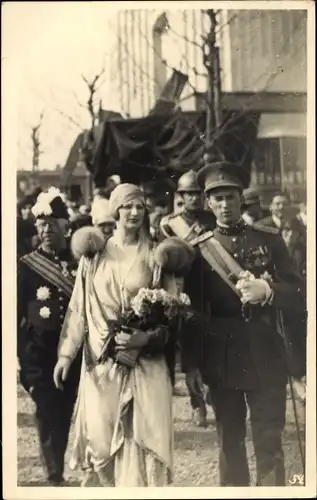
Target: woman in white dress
(123,423)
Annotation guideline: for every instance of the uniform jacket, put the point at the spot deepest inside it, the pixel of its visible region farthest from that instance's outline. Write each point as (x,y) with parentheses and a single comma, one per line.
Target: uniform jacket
(245,354)
(41,311)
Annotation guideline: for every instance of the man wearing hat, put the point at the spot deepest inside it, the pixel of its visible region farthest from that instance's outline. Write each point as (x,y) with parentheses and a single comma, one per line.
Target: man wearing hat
(189,191)
(45,283)
(101,217)
(249,283)
(26,231)
(252,210)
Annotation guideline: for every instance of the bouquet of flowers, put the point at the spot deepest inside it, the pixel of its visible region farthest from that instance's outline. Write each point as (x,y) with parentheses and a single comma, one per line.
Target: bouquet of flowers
(149,309)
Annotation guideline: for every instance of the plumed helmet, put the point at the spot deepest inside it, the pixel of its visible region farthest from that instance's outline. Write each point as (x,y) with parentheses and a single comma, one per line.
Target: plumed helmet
(51,204)
(187,183)
(175,256)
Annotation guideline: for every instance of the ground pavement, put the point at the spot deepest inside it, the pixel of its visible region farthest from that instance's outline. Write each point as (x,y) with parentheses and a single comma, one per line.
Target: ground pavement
(195,448)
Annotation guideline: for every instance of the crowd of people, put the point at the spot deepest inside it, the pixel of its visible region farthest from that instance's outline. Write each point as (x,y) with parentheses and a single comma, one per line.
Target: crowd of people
(243,268)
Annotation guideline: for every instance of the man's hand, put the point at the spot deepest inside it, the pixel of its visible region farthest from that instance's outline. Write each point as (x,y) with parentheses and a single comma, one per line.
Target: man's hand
(61,371)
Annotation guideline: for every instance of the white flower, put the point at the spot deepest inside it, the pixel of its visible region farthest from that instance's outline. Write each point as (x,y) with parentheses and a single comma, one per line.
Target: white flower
(43,293)
(184,299)
(74,273)
(267,277)
(45,312)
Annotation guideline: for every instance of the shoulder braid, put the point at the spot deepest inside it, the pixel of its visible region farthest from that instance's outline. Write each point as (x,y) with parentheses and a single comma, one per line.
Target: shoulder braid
(265,229)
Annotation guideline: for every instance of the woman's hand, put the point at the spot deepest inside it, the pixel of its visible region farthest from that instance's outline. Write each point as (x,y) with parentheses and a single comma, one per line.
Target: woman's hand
(61,371)
(136,340)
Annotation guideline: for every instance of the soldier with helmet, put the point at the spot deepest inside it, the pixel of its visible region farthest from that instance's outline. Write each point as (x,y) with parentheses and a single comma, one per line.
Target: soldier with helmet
(190,193)
(248,284)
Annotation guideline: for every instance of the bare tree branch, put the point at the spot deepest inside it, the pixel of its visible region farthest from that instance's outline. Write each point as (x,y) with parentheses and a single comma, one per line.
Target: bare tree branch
(80,104)
(35,137)
(92,88)
(69,118)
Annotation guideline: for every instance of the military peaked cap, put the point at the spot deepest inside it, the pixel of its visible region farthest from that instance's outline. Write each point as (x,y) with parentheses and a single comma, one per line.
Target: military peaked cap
(220,174)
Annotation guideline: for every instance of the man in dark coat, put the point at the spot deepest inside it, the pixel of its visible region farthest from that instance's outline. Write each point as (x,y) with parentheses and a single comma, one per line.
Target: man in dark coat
(252,211)
(45,282)
(191,194)
(248,285)
(293,232)
(290,228)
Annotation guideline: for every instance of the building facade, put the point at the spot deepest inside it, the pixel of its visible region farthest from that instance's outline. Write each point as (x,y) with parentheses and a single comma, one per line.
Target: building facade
(259,51)
(79,180)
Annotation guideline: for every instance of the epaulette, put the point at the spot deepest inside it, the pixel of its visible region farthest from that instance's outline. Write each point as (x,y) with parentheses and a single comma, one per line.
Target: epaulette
(170,216)
(265,229)
(164,224)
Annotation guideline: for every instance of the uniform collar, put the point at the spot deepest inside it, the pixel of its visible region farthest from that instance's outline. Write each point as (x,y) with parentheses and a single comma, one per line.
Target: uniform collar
(237,228)
(191,216)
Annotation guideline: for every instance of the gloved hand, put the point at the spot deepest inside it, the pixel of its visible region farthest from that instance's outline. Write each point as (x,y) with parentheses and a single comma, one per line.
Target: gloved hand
(253,290)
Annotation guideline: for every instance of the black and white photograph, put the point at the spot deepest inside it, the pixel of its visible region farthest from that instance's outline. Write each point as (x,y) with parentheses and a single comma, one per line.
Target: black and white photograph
(158,215)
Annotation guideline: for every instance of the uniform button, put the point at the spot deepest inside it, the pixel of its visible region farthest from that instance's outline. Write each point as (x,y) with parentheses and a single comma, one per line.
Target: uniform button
(60,290)
(60,298)
(234,239)
(61,316)
(61,308)
(235,255)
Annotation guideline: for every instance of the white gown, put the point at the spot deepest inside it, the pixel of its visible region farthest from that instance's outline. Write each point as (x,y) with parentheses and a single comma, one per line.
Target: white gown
(123,422)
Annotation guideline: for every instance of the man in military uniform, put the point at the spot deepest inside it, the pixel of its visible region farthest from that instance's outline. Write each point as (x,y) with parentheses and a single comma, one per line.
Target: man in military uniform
(45,283)
(172,225)
(249,282)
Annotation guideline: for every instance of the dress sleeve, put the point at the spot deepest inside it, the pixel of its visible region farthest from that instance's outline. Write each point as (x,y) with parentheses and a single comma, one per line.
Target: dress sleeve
(74,327)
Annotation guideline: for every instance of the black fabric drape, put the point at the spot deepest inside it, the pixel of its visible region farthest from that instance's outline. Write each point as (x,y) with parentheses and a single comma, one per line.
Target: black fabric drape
(157,146)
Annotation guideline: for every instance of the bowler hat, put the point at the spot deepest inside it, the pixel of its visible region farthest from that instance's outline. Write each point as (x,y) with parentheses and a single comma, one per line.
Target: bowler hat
(218,175)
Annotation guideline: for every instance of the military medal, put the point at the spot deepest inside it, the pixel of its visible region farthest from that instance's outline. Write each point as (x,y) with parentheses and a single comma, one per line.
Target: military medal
(43,293)
(64,268)
(45,312)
